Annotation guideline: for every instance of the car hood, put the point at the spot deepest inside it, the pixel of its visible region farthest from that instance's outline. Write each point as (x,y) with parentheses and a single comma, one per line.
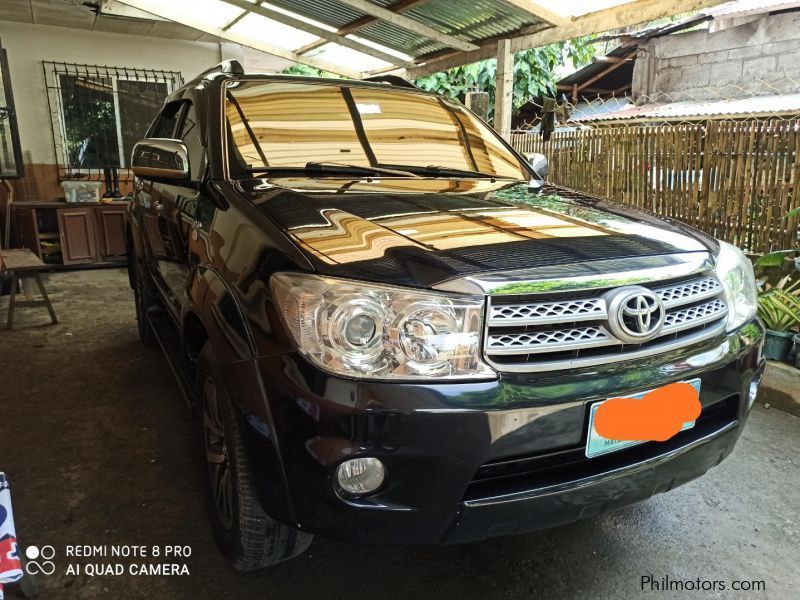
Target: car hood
(422,232)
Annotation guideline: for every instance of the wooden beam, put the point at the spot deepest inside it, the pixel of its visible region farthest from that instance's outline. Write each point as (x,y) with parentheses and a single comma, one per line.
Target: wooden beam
(409,24)
(504,94)
(274,15)
(541,12)
(596,22)
(603,73)
(233,22)
(362,22)
(165,11)
(592,90)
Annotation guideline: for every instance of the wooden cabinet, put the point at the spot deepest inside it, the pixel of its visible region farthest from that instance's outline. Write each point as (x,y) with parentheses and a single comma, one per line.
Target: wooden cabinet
(110,222)
(72,234)
(78,242)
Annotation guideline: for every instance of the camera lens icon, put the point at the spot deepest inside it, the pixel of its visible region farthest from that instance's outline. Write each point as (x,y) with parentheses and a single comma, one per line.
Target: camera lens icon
(40,560)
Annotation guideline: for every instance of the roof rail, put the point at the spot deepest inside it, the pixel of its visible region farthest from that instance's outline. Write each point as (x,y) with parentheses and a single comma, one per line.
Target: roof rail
(392,80)
(231,67)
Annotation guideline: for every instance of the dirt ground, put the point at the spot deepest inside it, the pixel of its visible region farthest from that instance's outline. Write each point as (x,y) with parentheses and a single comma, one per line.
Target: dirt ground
(98,447)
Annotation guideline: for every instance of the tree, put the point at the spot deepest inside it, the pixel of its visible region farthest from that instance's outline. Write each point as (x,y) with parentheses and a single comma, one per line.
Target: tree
(308,71)
(534,73)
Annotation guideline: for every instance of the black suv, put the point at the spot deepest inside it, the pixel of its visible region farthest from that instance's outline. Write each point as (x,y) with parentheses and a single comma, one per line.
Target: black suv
(393,330)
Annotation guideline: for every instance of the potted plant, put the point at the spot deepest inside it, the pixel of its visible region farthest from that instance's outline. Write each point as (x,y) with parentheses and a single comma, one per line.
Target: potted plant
(779,309)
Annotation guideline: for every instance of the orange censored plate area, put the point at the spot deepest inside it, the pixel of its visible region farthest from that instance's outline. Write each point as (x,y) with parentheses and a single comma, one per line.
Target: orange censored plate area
(657,415)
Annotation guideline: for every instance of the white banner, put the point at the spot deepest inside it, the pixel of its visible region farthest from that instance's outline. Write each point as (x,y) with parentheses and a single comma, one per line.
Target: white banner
(10,565)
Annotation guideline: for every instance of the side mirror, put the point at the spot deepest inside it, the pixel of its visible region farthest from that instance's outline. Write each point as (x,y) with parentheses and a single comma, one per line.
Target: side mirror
(538,163)
(158,158)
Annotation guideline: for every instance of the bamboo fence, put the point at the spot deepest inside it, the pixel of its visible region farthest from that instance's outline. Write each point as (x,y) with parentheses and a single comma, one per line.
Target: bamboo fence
(735,180)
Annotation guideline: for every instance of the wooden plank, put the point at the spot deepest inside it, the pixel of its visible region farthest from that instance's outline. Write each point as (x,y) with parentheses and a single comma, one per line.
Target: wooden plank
(601,74)
(795,199)
(789,183)
(20,259)
(773,199)
(541,11)
(750,161)
(504,91)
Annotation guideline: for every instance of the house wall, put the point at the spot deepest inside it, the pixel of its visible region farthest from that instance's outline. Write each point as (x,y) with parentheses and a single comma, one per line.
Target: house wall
(761,56)
(28,45)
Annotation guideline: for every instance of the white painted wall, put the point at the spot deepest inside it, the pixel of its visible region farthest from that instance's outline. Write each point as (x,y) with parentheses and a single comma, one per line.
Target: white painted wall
(28,45)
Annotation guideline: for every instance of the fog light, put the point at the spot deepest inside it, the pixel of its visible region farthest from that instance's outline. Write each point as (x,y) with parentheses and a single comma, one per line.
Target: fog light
(360,475)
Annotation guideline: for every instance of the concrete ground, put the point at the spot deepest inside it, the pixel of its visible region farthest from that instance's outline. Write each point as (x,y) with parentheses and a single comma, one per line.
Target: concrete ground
(98,447)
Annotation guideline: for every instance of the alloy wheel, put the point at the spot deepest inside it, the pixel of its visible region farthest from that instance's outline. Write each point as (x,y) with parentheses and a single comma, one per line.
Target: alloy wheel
(219,468)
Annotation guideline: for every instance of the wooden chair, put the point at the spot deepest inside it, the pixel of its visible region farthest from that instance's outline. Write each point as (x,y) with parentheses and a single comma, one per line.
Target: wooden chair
(19,265)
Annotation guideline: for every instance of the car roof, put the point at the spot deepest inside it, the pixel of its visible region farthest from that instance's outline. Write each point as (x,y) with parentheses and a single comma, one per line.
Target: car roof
(383,82)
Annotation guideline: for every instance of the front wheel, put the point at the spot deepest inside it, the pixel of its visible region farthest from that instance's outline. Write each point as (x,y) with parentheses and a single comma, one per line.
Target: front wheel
(247,535)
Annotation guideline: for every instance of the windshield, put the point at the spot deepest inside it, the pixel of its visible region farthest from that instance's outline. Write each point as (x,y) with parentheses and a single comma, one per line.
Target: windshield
(287,125)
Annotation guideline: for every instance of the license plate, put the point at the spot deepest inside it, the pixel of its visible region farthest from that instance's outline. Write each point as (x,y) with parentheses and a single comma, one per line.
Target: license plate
(597,444)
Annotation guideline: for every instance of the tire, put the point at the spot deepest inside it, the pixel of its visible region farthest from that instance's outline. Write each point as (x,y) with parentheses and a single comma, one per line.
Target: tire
(143,299)
(246,535)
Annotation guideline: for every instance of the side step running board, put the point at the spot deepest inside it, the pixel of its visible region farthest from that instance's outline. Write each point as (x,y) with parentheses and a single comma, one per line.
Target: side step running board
(170,343)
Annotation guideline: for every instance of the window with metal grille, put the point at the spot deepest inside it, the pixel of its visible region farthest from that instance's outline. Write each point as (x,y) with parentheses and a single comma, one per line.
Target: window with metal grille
(10,154)
(98,113)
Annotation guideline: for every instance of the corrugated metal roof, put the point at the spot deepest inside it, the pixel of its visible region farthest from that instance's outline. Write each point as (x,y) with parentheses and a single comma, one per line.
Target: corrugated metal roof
(744,107)
(596,108)
(471,21)
(594,68)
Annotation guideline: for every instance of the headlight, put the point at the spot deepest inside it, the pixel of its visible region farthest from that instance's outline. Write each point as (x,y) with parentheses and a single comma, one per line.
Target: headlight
(381,332)
(735,271)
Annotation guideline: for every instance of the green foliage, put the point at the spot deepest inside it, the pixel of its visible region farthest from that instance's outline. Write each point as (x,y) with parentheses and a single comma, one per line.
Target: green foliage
(307,71)
(534,73)
(779,306)
(773,259)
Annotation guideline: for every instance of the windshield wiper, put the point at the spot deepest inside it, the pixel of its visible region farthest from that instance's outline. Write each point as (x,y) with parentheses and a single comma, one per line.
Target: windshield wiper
(345,169)
(334,168)
(437,171)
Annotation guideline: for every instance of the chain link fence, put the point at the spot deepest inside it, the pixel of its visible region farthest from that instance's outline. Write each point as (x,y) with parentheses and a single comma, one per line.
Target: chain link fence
(725,159)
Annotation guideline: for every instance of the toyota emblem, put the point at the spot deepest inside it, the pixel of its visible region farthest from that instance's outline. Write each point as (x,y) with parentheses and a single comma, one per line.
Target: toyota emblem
(635,314)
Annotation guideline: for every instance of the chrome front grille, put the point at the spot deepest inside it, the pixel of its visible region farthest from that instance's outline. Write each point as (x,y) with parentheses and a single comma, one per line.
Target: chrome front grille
(546,341)
(526,334)
(546,312)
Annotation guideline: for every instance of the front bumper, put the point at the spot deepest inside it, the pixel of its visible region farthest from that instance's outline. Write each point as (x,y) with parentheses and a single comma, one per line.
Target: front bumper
(466,461)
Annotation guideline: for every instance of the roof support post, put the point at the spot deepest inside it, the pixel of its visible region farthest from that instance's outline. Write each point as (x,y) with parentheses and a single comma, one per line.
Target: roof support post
(504,91)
